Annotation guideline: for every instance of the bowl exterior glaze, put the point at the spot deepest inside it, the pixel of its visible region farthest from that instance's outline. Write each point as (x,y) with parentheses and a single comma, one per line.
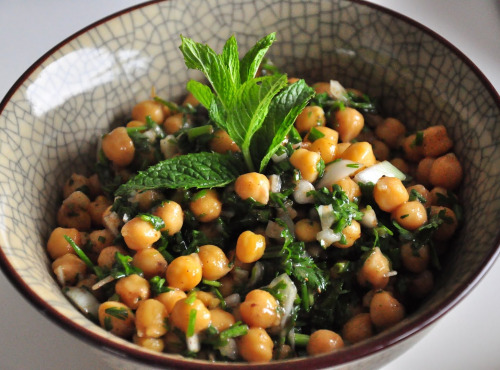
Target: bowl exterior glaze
(51,119)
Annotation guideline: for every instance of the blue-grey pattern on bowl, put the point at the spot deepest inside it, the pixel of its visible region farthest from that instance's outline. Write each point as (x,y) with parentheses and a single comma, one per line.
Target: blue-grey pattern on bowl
(51,118)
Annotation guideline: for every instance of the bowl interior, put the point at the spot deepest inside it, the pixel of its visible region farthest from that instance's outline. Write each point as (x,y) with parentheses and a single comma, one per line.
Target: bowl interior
(51,119)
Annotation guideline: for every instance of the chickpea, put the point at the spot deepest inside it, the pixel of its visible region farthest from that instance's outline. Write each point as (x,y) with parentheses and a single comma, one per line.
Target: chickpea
(139,234)
(117,318)
(256,346)
(170,298)
(151,262)
(181,312)
(94,186)
(184,272)
(68,269)
(421,285)
(253,185)
(118,147)
(306,230)
(361,152)
(190,100)
(172,214)
(390,131)
(209,299)
(214,262)
(74,183)
(415,260)
(446,171)
(222,143)
(380,150)
(134,123)
(96,209)
(422,190)
(206,205)
(324,341)
(326,148)
(174,123)
(410,215)
(310,117)
(73,212)
(389,193)
(350,188)
(436,141)
(57,245)
(322,87)
(351,233)
(132,290)
(424,169)
(446,230)
(328,133)
(375,270)
(107,257)
(250,247)
(307,163)
(148,108)
(341,148)
(436,193)
(260,309)
(100,239)
(221,320)
(400,164)
(358,328)
(385,310)
(153,344)
(349,123)
(150,319)
(413,152)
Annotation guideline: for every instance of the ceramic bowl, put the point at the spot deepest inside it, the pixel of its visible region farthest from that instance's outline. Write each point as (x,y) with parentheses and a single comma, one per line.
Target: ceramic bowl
(51,118)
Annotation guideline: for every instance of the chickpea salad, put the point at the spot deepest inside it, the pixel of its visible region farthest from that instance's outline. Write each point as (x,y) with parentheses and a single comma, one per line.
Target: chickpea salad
(261,219)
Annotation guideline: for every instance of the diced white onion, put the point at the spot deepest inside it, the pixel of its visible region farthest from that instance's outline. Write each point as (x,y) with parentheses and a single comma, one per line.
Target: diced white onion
(83,300)
(326,216)
(369,219)
(193,343)
(257,273)
(327,237)
(230,349)
(232,300)
(300,193)
(168,146)
(151,135)
(337,170)
(374,173)
(289,295)
(273,230)
(337,91)
(279,158)
(274,183)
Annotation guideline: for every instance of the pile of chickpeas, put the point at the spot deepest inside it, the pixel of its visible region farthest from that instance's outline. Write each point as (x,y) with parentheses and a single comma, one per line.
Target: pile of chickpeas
(154,321)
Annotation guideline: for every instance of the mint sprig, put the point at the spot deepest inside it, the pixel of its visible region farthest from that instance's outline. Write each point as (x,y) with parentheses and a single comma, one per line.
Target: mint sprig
(194,170)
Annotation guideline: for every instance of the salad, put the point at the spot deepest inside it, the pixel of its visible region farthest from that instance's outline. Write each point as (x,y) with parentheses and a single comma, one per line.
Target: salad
(261,219)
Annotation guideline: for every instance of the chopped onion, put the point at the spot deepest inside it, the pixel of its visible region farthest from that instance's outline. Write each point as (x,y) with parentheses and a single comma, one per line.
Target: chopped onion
(274,183)
(257,274)
(230,349)
(326,216)
(289,294)
(150,135)
(168,146)
(193,343)
(337,91)
(83,300)
(337,170)
(232,300)
(273,230)
(327,237)
(302,187)
(279,158)
(374,173)
(369,219)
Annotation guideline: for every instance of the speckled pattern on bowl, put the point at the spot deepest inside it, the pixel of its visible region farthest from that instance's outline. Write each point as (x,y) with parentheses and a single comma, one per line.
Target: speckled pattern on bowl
(51,118)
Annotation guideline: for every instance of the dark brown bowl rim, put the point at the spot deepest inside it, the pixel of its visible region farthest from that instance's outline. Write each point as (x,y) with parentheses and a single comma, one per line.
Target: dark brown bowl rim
(343,356)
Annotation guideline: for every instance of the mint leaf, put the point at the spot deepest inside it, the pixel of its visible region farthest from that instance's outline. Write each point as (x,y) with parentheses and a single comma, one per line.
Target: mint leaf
(251,61)
(194,170)
(231,60)
(283,111)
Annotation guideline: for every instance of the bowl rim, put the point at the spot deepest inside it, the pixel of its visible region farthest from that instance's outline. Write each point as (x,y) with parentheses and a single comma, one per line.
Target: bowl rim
(343,356)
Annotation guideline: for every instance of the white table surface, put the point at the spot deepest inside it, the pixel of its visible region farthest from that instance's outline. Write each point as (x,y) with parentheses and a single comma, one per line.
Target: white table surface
(466,338)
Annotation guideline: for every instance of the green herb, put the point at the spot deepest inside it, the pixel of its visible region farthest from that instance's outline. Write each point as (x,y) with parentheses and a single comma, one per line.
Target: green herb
(415,195)
(155,221)
(123,267)
(108,325)
(236,330)
(191,322)
(174,107)
(353,165)
(191,298)
(213,283)
(301,340)
(119,313)
(157,285)
(404,216)
(419,139)
(81,254)
(195,170)
(315,134)
(195,132)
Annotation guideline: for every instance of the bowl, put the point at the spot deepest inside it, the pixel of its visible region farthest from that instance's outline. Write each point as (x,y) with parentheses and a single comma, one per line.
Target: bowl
(76,91)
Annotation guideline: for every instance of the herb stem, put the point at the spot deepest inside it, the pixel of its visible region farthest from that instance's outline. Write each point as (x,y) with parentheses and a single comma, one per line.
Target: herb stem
(196,132)
(301,340)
